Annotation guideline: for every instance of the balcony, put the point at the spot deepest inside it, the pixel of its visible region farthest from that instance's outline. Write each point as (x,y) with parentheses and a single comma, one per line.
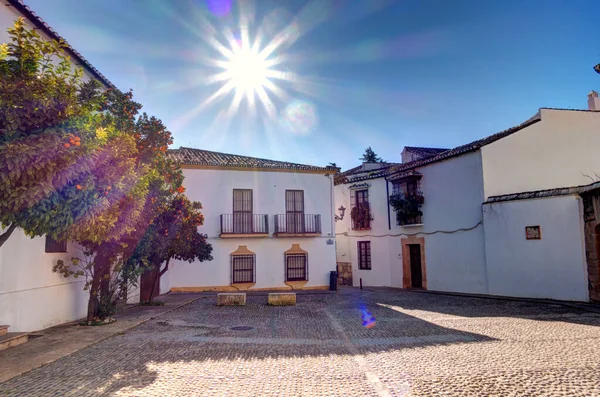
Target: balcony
(297,225)
(244,225)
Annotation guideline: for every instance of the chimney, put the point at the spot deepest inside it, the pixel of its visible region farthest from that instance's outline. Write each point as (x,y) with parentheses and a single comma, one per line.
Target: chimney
(593,101)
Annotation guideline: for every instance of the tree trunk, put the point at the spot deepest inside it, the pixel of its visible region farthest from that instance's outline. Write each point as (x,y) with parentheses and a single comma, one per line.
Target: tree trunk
(157,276)
(4,236)
(101,264)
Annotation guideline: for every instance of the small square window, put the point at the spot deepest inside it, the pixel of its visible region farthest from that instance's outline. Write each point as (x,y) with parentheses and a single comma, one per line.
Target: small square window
(54,246)
(533,233)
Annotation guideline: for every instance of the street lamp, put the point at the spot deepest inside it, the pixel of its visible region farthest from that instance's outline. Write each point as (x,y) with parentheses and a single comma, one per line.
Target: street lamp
(342,212)
(597,68)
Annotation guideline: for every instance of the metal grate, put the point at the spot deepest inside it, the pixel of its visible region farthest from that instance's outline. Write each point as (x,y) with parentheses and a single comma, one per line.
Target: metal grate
(296,267)
(242,268)
(55,246)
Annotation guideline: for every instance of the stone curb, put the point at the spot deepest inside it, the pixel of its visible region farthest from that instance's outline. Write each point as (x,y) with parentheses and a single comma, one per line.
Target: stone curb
(101,339)
(587,307)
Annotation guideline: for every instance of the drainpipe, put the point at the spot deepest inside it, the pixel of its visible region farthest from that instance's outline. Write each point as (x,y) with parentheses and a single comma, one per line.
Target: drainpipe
(387,196)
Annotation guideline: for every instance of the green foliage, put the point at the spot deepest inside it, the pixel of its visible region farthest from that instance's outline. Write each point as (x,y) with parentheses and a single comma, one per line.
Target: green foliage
(407,207)
(370,156)
(361,216)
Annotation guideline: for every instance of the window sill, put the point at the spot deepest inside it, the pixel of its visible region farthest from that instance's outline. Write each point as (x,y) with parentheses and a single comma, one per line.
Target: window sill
(412,225)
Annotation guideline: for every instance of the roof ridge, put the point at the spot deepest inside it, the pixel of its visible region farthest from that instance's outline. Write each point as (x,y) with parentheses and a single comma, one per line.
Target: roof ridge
(251,157)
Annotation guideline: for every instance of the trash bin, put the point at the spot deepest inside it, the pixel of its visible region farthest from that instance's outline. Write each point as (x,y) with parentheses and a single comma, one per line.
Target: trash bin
(333,276)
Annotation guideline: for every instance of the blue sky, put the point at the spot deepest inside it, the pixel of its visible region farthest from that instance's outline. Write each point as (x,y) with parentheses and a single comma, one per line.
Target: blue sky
(380,73)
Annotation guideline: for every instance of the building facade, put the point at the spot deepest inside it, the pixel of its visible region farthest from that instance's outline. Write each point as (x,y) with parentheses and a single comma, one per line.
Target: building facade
(270,224)
(466,216)
(32,297)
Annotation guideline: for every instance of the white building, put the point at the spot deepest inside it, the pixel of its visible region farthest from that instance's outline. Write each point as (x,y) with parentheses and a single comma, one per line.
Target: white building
(270,224)
(32,297)
(471,237)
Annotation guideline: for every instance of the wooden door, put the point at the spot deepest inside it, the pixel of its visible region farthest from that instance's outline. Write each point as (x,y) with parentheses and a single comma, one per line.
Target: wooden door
(416,275)
(242,211)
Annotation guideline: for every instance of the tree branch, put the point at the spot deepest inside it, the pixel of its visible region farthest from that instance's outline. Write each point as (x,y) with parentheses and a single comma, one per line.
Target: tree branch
(163,271)
(4,236)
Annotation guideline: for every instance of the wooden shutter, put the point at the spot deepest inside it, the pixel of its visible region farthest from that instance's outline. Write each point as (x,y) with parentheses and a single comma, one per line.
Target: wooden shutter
(294,210)
(242,211)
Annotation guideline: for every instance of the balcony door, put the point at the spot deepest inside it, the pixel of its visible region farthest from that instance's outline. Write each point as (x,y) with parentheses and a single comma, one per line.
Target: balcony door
(242,211)
(294,211)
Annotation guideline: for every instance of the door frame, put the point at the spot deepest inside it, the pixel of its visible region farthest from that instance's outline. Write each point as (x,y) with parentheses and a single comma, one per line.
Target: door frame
(406,273)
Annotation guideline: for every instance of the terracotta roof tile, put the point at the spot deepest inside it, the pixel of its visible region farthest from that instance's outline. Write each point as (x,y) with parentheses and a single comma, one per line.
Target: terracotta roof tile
(424,151)
(192,156)
(563,191)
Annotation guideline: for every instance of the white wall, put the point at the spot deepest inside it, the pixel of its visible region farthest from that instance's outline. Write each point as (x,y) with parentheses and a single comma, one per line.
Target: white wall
(558,151)
(453,191)
(32,297)
(553,267)
(214,189)
(8,15)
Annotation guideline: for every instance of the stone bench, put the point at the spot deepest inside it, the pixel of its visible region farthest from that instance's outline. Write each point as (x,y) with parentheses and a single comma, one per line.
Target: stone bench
(282,299)
(231,299)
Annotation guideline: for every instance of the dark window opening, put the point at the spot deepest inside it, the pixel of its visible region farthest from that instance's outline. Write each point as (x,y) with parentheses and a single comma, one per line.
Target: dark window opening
(296,267)
(242,268)
(53,246)
(294,211)
(364,255)
(242,211)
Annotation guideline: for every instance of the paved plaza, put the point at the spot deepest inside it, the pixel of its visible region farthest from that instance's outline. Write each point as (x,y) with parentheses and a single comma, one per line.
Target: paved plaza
(421,345)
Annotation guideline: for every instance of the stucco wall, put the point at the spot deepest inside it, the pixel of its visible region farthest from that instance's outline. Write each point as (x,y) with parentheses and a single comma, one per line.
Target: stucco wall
(8,15)
(453,191)
(32,297)
(558,151)
(553,267)
(214,189)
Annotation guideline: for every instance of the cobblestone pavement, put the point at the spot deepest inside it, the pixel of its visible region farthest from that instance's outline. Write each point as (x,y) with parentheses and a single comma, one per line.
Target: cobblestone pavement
(421,344)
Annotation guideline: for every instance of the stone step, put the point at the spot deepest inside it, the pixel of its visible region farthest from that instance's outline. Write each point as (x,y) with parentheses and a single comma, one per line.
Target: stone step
(4,329)
(13,339)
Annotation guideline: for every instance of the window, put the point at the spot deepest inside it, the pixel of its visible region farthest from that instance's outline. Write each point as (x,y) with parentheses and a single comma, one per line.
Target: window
(242,268)
(55,246)
(242,211)
(361,210)
(296,267)
(364,255)
(362,196)
(294,211)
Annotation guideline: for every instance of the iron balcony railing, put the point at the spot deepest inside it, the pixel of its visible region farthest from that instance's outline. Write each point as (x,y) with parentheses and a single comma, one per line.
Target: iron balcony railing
(244,223)
(297,223)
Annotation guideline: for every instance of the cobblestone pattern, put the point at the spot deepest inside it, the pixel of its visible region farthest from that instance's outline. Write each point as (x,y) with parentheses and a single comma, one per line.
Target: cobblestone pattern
(421,344)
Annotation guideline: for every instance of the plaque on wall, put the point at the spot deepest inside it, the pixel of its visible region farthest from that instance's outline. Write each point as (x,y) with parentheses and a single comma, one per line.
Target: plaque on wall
(533,233)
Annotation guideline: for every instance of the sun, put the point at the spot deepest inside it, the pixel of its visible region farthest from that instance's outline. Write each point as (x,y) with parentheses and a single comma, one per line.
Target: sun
(247,70)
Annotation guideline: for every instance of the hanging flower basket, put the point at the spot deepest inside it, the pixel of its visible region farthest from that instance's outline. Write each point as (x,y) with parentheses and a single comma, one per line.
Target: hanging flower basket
(407,207)
(361,216)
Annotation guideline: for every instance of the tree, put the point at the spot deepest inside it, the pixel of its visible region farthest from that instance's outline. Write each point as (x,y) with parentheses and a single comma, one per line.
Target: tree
(40,150)
(370,156)
(173,234)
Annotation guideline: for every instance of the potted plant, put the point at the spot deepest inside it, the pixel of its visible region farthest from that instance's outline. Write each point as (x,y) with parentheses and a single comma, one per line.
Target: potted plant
(407,207)
(361,216)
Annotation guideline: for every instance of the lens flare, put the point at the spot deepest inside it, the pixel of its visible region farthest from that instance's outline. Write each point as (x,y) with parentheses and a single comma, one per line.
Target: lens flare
(299,117)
